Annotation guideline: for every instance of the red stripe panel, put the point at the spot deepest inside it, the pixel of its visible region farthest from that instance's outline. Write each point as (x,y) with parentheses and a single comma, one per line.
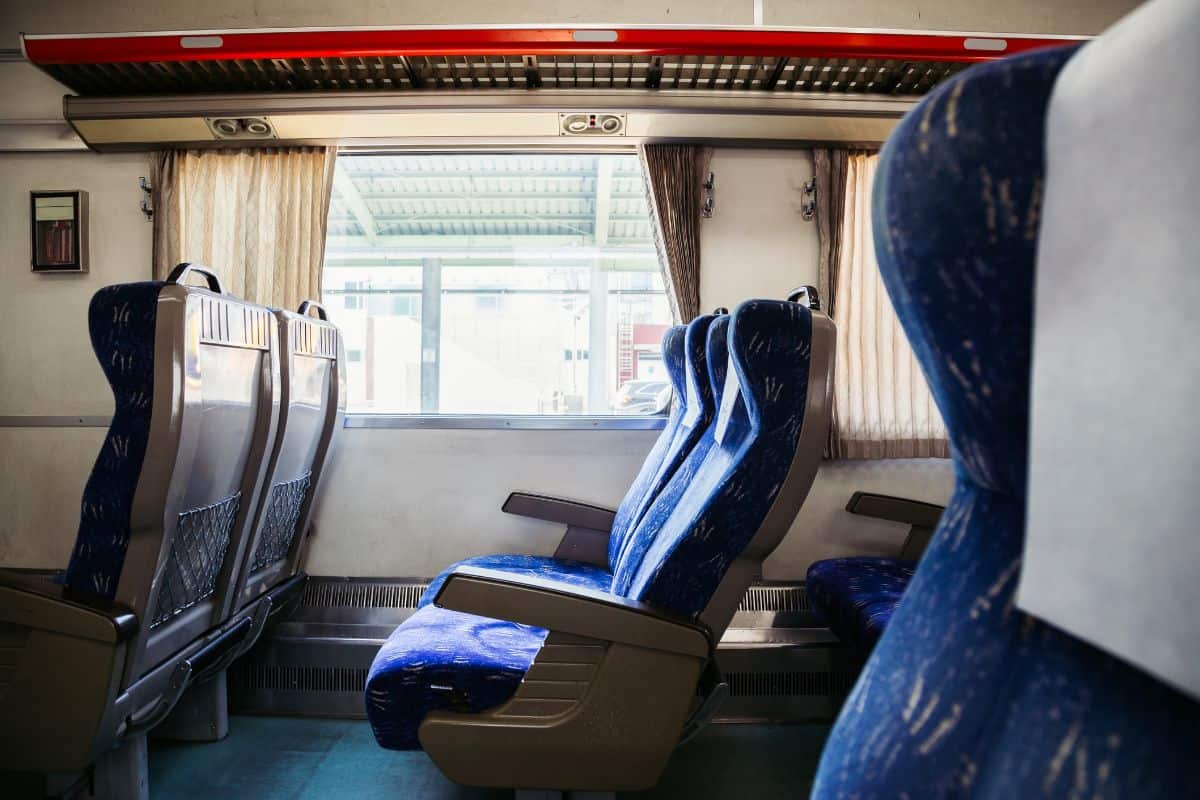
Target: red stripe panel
(525,41)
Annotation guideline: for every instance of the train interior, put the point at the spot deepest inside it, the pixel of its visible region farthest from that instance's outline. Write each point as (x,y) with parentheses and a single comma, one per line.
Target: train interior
(592,400)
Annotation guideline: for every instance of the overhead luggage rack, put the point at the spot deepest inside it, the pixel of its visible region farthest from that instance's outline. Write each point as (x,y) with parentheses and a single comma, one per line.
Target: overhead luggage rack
(432,59)
(450,72)
(501,86)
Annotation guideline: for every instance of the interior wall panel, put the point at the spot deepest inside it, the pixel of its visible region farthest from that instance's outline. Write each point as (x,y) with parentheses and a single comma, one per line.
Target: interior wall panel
(29,95)
(410,502)
(46,362)
(42,474)
(756,244)
(407,503)
(824,529)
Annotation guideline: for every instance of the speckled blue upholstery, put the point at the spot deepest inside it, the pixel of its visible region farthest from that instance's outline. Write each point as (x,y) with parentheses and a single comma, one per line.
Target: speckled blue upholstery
(856,597)
(731,478)
(121,321)
(572,573)
(675,352)
(641,539)
(964,695)
(479,662)
(697,412)
(684,354)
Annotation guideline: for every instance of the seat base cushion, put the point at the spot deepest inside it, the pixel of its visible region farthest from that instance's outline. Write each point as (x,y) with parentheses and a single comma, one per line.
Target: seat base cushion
(572,573)
(856,597)
(444,660)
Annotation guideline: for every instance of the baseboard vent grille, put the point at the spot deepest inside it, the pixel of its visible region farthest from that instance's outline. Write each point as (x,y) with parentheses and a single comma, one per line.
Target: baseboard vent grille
(361,594)
(328,678)
(789,684)
(341,593)
(250,676)
(264,677)
(384,602)
(781,665)
(775,598)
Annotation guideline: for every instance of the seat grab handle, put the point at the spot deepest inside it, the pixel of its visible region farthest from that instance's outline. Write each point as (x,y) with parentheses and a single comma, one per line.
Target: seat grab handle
(181,271)
(806,296)
(310,304)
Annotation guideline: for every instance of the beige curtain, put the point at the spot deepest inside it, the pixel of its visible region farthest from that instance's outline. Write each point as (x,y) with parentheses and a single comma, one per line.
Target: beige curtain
(674,176)
(883,407)
(256,217)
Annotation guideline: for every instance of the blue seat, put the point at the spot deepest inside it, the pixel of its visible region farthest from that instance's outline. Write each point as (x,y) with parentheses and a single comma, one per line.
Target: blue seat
(964,695)
(495,655)
(857,596)
(608,703)
(441,659)
(684,354)
(146,609)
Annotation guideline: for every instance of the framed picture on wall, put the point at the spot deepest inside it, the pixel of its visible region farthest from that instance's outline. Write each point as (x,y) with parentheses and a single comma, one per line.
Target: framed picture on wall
(58,231)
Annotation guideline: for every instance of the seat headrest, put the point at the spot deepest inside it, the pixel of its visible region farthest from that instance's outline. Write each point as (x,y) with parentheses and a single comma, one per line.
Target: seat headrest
(696,377)
(770,342)
(673,358)
(955,215)
(1112,506)
(718,356)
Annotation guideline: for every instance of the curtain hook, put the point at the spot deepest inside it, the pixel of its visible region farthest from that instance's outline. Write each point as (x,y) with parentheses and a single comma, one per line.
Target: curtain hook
(147,204)
(808,206)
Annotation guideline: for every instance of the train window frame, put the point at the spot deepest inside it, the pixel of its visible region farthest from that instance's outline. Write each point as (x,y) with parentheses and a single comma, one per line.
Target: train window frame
(348,292)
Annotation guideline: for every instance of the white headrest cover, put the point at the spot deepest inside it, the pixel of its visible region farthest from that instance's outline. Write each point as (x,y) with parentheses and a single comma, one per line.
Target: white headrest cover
(1113,527)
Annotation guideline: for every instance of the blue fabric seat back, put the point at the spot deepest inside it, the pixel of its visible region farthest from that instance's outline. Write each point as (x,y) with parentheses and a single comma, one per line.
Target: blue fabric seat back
(684,353)
(965,695)
(673,360)
(121,323)
(716,502)
(717,361)
(167,511)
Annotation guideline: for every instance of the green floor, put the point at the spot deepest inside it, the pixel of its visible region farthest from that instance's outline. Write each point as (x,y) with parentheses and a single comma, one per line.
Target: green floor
(283,757)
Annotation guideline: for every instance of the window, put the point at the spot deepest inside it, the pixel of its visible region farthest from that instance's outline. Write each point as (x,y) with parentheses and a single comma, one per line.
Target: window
(351,300)
(496,284)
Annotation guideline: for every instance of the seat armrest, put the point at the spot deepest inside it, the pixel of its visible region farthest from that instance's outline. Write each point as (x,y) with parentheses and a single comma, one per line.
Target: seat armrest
(573,610)
(35,602)
(895,509)
(921,517)
(555,509)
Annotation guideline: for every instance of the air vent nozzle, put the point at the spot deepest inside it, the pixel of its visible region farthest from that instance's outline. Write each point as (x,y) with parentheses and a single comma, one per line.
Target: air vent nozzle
(591,124)
(241,127)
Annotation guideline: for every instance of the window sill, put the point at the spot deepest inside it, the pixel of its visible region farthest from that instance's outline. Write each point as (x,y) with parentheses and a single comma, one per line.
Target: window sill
(433,422)
(538,422)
